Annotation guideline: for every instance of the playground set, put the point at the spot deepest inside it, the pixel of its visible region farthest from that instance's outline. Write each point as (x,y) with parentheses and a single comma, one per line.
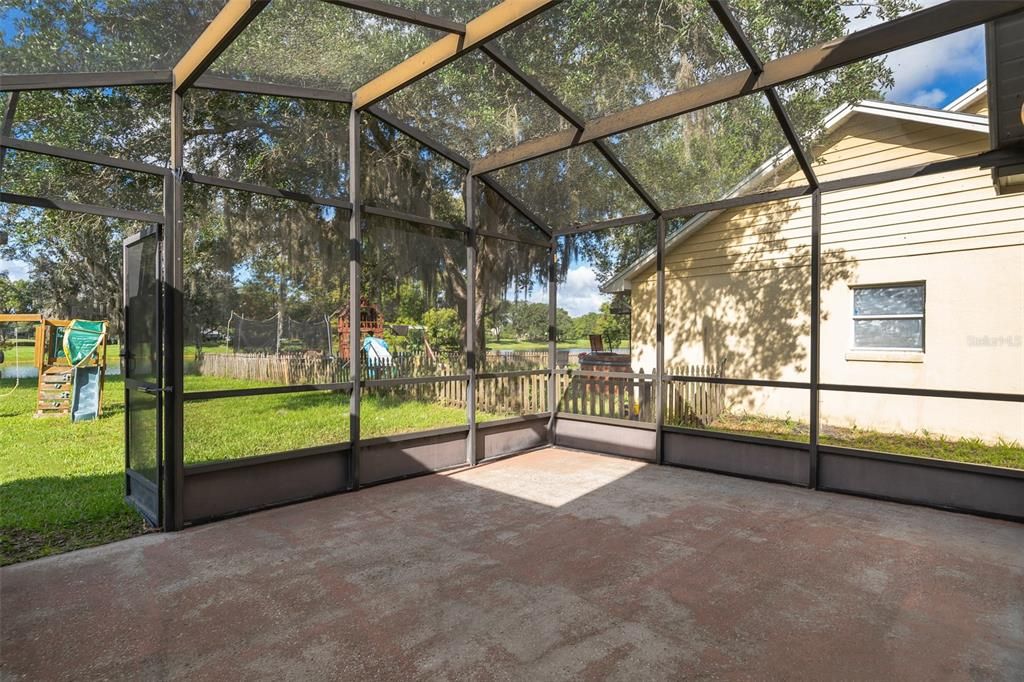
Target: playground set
(71,359)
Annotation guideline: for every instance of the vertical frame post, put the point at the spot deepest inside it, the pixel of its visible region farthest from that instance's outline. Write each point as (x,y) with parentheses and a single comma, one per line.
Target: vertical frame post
(174,333)
(355,236)
(552,337)
(659,399)
(471,273)
(812,474)
(7,124)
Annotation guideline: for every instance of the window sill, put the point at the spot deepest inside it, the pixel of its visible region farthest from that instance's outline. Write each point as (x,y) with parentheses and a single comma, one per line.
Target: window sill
(884,356)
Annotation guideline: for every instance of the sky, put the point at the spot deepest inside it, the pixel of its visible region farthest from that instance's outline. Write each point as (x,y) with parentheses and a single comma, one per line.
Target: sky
(930,74)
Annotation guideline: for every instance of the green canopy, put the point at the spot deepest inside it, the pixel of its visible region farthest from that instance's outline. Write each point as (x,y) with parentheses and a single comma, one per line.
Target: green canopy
(81,339)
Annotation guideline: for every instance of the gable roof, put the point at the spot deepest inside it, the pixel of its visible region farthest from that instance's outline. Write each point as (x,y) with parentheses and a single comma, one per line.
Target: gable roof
(969,98)
(947,117)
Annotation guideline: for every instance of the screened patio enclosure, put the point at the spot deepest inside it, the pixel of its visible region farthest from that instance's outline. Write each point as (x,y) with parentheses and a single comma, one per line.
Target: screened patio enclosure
(301,184)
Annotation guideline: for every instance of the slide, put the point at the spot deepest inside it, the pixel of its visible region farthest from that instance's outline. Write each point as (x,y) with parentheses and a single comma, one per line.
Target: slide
(85,402)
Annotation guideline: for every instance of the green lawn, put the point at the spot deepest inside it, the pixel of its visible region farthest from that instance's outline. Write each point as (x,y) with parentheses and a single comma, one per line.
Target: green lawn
(508,344)
(61,484)
(971,450)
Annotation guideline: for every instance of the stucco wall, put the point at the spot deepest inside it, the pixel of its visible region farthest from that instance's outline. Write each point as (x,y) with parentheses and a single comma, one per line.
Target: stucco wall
(737,291)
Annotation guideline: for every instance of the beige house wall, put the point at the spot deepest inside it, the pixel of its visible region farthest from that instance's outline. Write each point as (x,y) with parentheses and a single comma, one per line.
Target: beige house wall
(737,291)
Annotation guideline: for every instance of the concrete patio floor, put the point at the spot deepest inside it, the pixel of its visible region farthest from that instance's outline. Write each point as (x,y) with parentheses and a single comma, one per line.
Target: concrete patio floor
(549,565)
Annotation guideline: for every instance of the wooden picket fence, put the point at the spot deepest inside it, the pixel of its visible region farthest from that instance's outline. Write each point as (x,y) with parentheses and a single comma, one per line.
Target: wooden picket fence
(513,394)
(630,397)
(694,403)
(277,369)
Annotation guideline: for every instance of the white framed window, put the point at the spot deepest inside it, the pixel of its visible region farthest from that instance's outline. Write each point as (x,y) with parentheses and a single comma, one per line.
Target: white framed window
(888,317)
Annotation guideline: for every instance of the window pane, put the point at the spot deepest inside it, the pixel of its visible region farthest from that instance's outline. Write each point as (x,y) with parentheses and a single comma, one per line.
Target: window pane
(232,428)
(474,106)
(414,300)
(294,144)
(889,300)
(264,281)
(400,173)
(601,56)
(318,44)
(712,153)
(54,178)
(571,187)
(391,410)
(888,333)
(494,214)
(975,431)
(847,130)
(600,393)
(457,10)
(776,29)
(761,411)
(124,122)
(512,294)
(84,35)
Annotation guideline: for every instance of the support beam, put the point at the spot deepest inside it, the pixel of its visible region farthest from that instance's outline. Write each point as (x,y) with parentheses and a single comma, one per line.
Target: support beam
(739,38)
(607,224)
(523,209)
(5,129)
(552,339)
(225,27)
(659,358)
(75,207)
(459,160)
(355,236)
(914,28)
(208,82)
(174,333)
(471,275)
(551,99)
(812,474)
(409,16)
(485,27)
(252,188)
(75,155)
(64,81)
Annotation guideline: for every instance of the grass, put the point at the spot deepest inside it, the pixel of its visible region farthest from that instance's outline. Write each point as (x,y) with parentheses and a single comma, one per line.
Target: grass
(919,444)
(62,484)
(541,345)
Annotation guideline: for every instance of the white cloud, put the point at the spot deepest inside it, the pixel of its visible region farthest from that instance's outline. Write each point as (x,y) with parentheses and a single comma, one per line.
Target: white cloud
(580,293)
(15,269)
(929,98)
(918,69)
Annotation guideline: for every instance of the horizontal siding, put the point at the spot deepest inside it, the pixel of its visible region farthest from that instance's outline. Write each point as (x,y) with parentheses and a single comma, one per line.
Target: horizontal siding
(957,211)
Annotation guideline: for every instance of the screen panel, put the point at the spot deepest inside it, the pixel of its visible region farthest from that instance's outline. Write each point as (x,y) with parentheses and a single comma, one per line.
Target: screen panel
(131,123)
(474,106)
(49,177)
(84,36)
(402,174)
(265,281)
(318,44)
(287,143)
(604,56)
(731,149)
(571,187)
